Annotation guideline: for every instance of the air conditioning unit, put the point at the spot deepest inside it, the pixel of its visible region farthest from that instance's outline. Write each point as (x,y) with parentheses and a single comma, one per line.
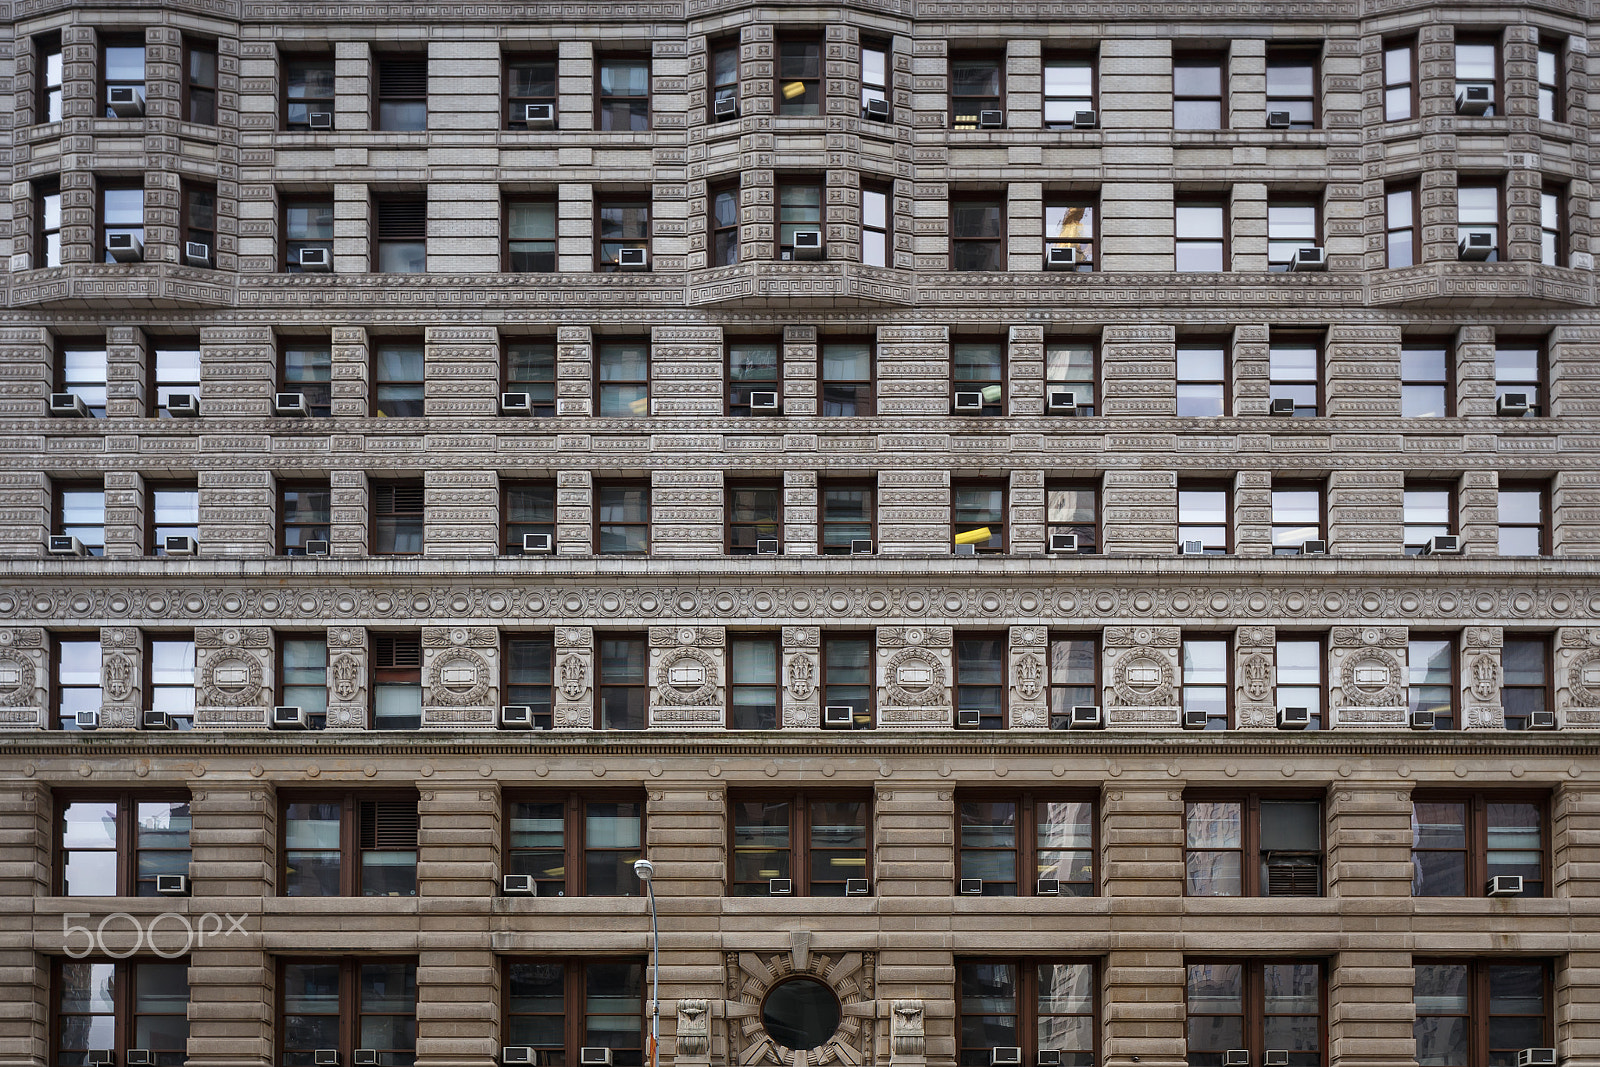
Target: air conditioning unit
(67,406)
(1192,548)
(968,718)
(316,260)
(1315,547)
(172,885)
(518,885)
(325,1057)
(780,887)
(594,1056)
(966,550)
(767,546)
(1476,246)
(1085,120)
(516,404)
(1275,1057)
(857,887)
(1049,1057)
(1512,405)
(320,120)
(967,402)
(290,405)
(65,545)
(180,545)
(316,548)
(1236,1057)
(125,247)
(724,108)
(1085,717)
(1064,543)
(877,110)
(290,717)
(536,544)
(838,717)
(1294,718)
(1443,545)
(86,720)
(1422,720)
(632,259)
(1474,99)
(197,253)
(125,101)
(1504,885)
(139,1057)
(1310,258)
(1282,405)
(1541,720)
(516,1056)
(808,244)
(764,400)
(516,716)
(364,1057)
(861,546)
(539,116)
(1008,1056)
(1063,402)
(183,405)
(1279,120)
(1048,887)
(150,719)
(1536,1057)
(971,887)
(97,1057)
(1195,719)
(1061,257)
(991,120)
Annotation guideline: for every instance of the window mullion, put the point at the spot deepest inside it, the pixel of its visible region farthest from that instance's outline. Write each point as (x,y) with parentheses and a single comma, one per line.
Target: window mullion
(800,845)
(1250,842)
(1027,839)
(572,846)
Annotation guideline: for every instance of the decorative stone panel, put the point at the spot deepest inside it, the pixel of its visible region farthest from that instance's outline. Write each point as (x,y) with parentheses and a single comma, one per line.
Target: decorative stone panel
(1028,671)
(800,370)
(234,679)
(851,976)
(460,676)
(799,512)
(1141,676)
(574,677)
(1255,673)
(1367,676)
(348,661)
(913,667)
(121,677)
(1578,678)
(1480,678)
(24,678)
(802,677)
(688,676)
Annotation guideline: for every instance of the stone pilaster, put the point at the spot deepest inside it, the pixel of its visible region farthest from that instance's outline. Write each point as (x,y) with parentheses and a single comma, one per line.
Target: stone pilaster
(688,677)
(1255,675)
(24,678)
(234,677)
(802,677)
(1367,676)
(914,667)
(1028,674)
(349,661)
(1481,675)
(1140,670)
(122,685)
(574,677)
(460,677)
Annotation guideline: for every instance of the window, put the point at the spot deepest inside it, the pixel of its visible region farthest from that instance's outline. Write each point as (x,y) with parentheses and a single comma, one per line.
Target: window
(1400,226)
(560,1006)
(1399,81)
(200,82)
(623,224)
(304,515)
(1201,244)
(121,67)
(1478,66)
(753,682)
(1204,515)
(1255,1005)
(1525,684)
(1461,840)
(1031,1004)
(1074,508)
(121,212)
(847,679)
(75,678)
(115,844)
(303,676)
(975,87)
(622,370)
(1251,845)
(755,514)
(977,233)
(402,92)
(1523,510)
(1478,211)
(847,516)
(81,371)
(980,678)
(346,1004)
(1070,366)
(176,369)
(799,81)
(1431,677)
(396,681)
(1520,368)
(1070,223)
(1481,1013)
(814,842)
(799,208)
(397,518)
(1426,390)
(47,58)
(1550,97)
(1292,224)
(308,88)
(1205,681)
(978,516)
(1551,247)
(526,508)
(574,844)
(753,368)
(624,97)
(875,227)
(530,236)
(47,224)
(171,683)
(401,223)
(530,676)
(171,511)
(1012,843)
(530,79)
(1068,89)
(1199,92)
(1292,86)
(1294,370)
(1429,511)
(622,519)
(980,367)
(80,511)
(847,378)
(724,76)
(1296,517)
(398,385)
(200,221)
(725,226)
(307,223)
(140,1003)
(1301,680)
(358,844)
(531,369)
(1203,379)
(1074,675)
(307,368)
(875,74)
(624,692)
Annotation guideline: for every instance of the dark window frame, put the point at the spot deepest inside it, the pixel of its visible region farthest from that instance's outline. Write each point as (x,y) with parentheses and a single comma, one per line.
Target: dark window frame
(1097,645)
(1000,241)
(1545,523)
(716,90)
(1321,715)
(420,513)
(542,719)
(350,1013)
(188,231)
(1476,804)
(868,485)
(1299,485)
(400,228)
(991,409)
(1001,638)
(1218,59)
(1448,383)
(127,850)
(1027,849)
(519,57)
(350,850)
(280,697)
(870,713)
(1547,661)
(604,682)
(1497,85)
(511,542)
(303,58)
(1479,1015)
(193,93)
(377,400)
(1453,502)
(285,204)
(154,545)
(1068,56)
(800,825)
(46,45)
(1253,999)
(394,646)
(102,78)
(1558,233)
(870,384)
(574,842)
(1229,644)
(42,232)
(1541,383)
(541,408)
(124,996)
(647,523)
(56,689)
(511,201)
(987,56)
(731,524)
(1027,1013)
(737,402)
(799,181)
(58,524)
(984,485)
(1293,55)
(575,1009)
(623,201)
(1413,191)
(1474,181)
(379,97)
(885,190)
(1556,47)
(314,409)
(818,84)
(1453,686)
(773,640)
(1314,201)
(600,100)
(156,382)
(1300,339)
(719,236)
(1209,485)
(1410,44)
(1225,345)
(1078,486)
(1250,851)
(1088,201)
(1219,201)
(104,185)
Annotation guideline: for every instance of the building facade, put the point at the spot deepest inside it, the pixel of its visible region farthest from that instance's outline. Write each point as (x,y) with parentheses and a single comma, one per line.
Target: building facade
(1065,532)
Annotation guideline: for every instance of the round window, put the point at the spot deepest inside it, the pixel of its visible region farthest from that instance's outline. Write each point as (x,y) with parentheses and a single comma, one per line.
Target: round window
(800,1013)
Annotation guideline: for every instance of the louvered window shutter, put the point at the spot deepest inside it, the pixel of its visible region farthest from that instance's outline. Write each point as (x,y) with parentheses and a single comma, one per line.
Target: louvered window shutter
(402,498)
(389,825)
(397,650)
(1294,876)
(402,220)
(403,78)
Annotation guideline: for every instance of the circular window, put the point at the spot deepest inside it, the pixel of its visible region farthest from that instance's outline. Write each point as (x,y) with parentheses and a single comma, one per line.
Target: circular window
(800,1013)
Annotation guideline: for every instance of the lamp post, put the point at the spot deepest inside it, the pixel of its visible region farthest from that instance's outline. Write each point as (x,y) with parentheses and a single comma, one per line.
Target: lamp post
(644,870)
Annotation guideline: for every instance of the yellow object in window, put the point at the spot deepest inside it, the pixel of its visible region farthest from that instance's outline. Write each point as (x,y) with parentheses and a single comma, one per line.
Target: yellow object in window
(974,537)
(794,89)
(640,406)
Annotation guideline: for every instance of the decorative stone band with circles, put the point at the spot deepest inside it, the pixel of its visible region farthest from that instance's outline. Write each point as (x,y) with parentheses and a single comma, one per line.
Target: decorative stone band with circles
(801,1013)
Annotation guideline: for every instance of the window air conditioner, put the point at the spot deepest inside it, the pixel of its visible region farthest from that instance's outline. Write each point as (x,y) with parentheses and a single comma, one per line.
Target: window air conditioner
(181,545)
(861,546)
(1475,246)
(1315,547)
(967,402)
(1192,548)
(539,116)
(966,550)
(968,718)
(364,1057)
(65,545)
(1294,718)
(838,717)
(325,1057)
(516,404)
(1310,258)
(516,717)
(1474,99)
(197,253)
(780,887)
(1536,1057)
(857,887)
(1442,545)
(807,244)
(1005,1057)
(290,717)
(320,120)
(991,120)
(1085,120)
(518,885)
(290,404)
(877,110)
(1282,405)
(724,108)
(139,1057)
(316,260)
(1063,402)
(172,885)
(68,406)
(1541,720)
(1275,1057)
(1048,887)
(316,548)
(767,546)
(86,720)
(1064,543)
(1505,885)
(536,544)
(150,719)
(594,1056)
(125,101)
(764,400)
(516,1055)
(971,887)
(1422,720)
(1236,1057)
(183,405)
(1195,720)
(97,1057)
(1085,717)
(1049,1057)
(1061,257)
(1279,120)
(125,247)
(1512,405)
(632,259)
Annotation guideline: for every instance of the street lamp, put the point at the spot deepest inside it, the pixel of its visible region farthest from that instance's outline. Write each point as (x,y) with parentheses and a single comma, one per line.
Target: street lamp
(644,870)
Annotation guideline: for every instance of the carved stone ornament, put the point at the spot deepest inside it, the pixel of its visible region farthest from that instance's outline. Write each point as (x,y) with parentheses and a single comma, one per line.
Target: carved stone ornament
(906,1036)
(345,674)
(1030,676)
(914,679)
(574,677)
(851,976)
(231,681)
(17,678)
(688,679)
(459,678)
(694,1029)
(1143,678)
(802,677)
(1483,676)
(116,672)
(1583,678)
(1256,676)
(1371,678)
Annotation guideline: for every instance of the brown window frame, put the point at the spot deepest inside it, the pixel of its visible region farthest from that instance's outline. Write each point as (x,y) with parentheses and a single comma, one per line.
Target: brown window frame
(1299,485)
(1097,644)
(154,383)
(716,232)
(574,843)
(1476,804)
(736,388)
(1096,386)
(1283,55)
(377,383)
(870,383)
(187,229)
(575,1011)
(857,484)
(405,211)
(285,203)
(714,90)
(1002,639)
(1497,86)
(625,56)
(1027,1000)
(773,640)
(605,683)
(1198,58)
(1290,200)
(541,407)
(624,201)
(513,58)
(991,409)
(191,46)
(399,644)
(58,516)
(55,688)
(731,524)
(542,720)
(41,233)
(124,995)
(1225,345)
(1209,485)
(1253,1000)
(1321,716)
(1453,640)
(1501,253)
(1089,201)
(1229,640)
(1000,241)
(1249,850)
(1448,346)
(1078,485)
(1545,523)
(282,345)
(350,1013)
(375,487)
(104,185)
(510,545)
(528,200)
(800,844)
(349,801)
(987,485)
(102,79)
(1541,383)
(1559,190)
(1413,190)
(284,524)
(1478,1017)
(1410,44)
(1027,849)
(379,98)
(1068,56)
(1220,201)
(885,190)
(998,59)
(154,547)
(1547,659)
(317,721)
(44,46)
(647,524)
(1297,339)
(1429,486)
(818,84)
(1557,47)
(284,60)
(127,850)
(823,682)
(799,181)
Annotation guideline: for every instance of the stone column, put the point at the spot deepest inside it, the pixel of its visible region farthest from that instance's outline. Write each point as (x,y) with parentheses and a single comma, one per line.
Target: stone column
(688,677)
(1028,672)
(1365,512)
(1140,513)
(1247,224)
(354,250)
(462,368)
(1478,508)
(121,677)
(916,857)
(1574,825)
(1141,828)
(461,514)
(800,360)
(574,513)
(1577,667)
(574,373)
(575,230)
(236,514)
(802,677)
(914,667)
(1251,370)
(799,512)
(1367,677)
(28,360)
(1252,513)
(460,677)
(1025,370)
(914,512)
(1140,671)
(129,360)
(24,513)
(234,679)
(1574,496)
(574,677)
(125,528)
(352,69)
(238,370)
(1255,676)
(686,513)
(1138,369)
(348,662)
(1025,502)
(350,372)
(686,371)
(1363,371)
(347,512)
(1480,679)
(913,370)
(24,678)
(1474,371)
